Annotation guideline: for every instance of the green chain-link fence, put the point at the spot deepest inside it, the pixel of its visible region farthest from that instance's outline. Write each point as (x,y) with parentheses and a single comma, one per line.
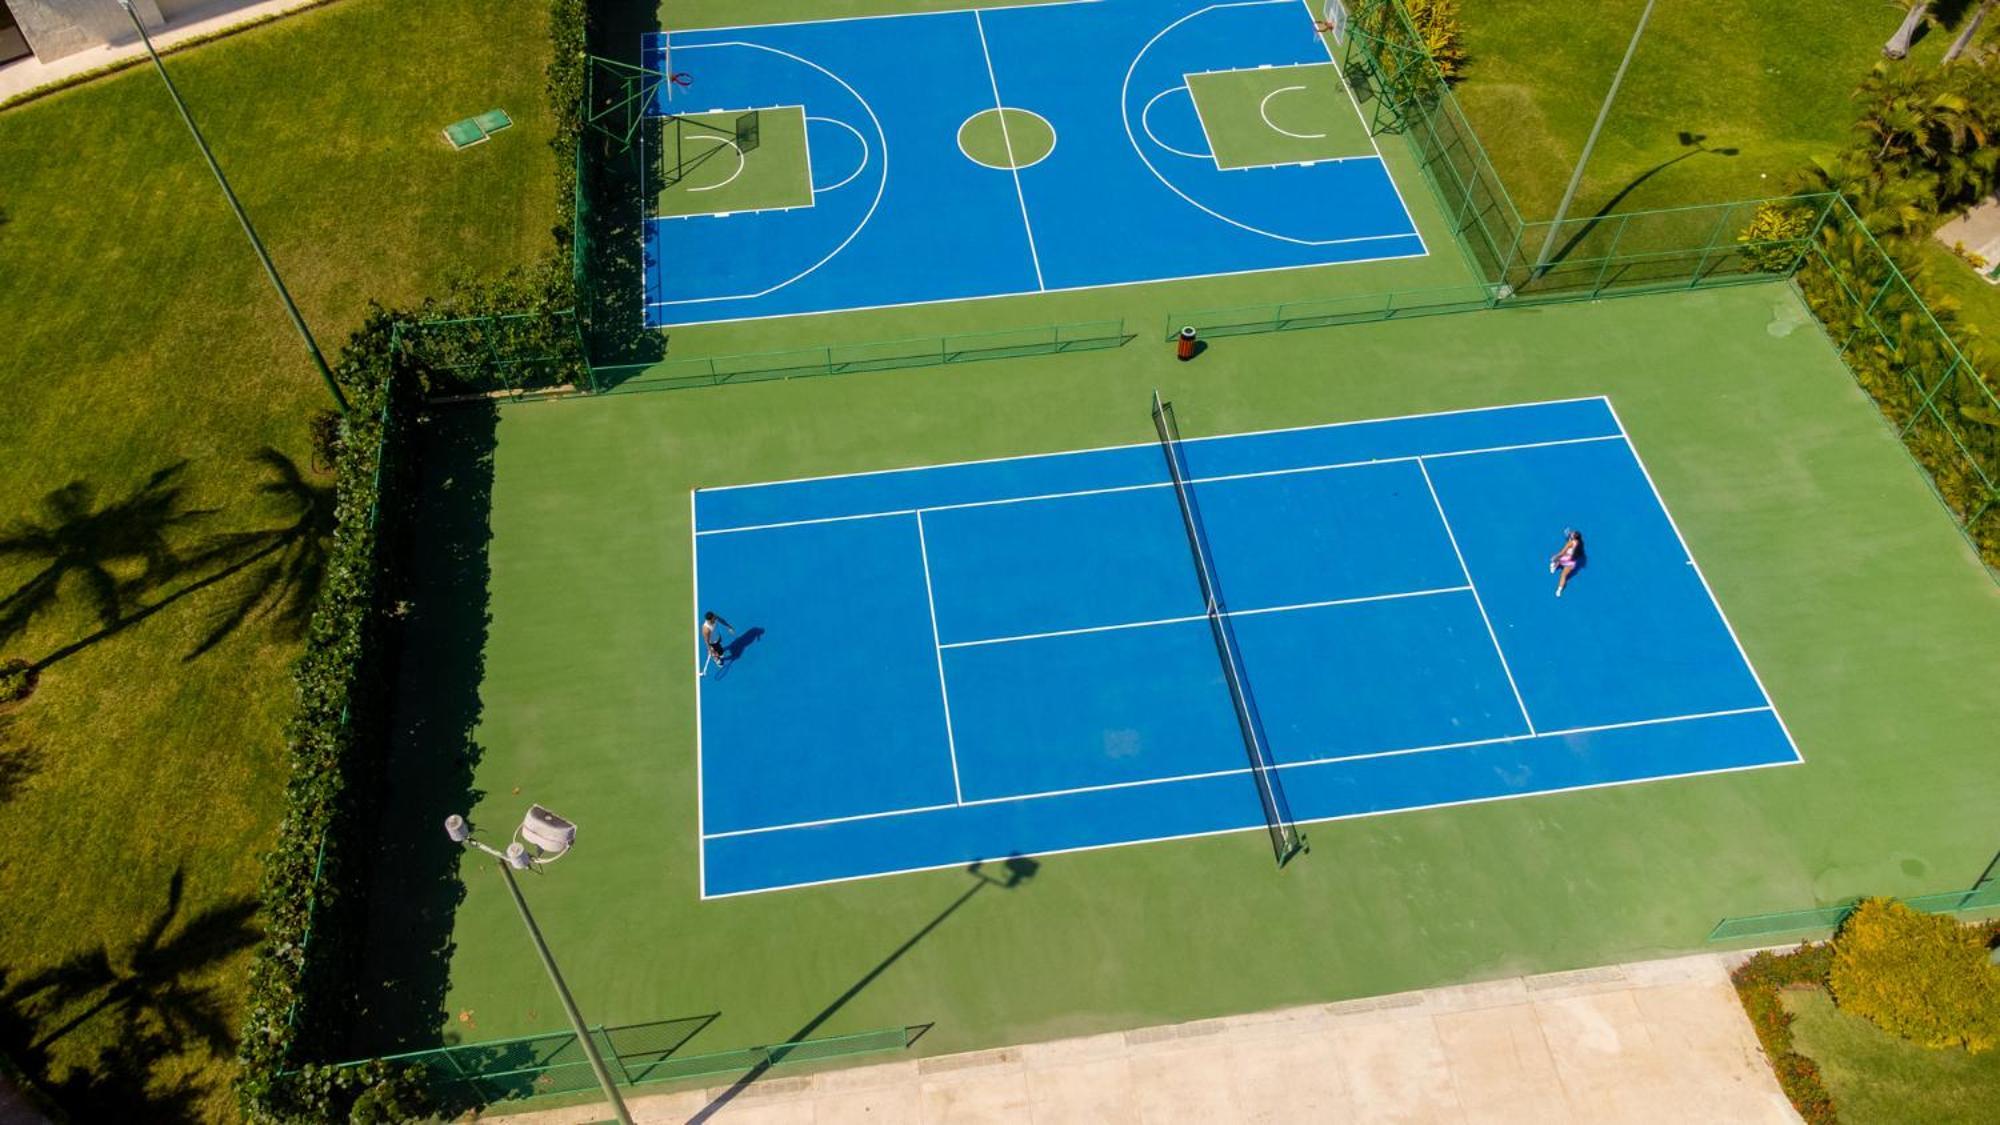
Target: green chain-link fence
(472,1075)
(1981,899)
(880,355)
(1943,407)
(1404,93)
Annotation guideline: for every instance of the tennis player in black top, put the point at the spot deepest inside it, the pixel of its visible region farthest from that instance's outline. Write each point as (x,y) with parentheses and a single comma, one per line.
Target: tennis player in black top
(712,625)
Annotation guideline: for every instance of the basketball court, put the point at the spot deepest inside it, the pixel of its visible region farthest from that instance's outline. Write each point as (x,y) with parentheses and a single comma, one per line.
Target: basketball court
(900,160)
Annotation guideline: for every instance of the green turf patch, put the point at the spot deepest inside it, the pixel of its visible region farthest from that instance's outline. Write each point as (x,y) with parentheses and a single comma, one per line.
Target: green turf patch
(1278,115)
(1006,138)
(728,161)
(1876,1077)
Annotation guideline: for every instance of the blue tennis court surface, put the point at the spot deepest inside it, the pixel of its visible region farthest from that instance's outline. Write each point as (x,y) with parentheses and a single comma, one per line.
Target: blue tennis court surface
(972,661)
(901,214)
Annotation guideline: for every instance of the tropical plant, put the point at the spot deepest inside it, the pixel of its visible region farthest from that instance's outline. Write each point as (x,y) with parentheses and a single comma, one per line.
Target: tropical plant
(290,559)
(1775,236)
(1438,22)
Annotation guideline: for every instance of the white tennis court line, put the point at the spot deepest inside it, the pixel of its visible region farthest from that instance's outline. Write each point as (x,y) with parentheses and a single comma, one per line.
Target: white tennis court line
(1285,472)
(1007,139)
(1713,601)
(1154,442)
(950,742)
(700,813)
(1307,763)
(1203,617)
(1258,828)
(1467,571)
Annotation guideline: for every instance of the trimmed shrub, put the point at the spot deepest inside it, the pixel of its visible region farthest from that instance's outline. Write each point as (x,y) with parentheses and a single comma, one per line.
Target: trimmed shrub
(1920,976)
(1758,982)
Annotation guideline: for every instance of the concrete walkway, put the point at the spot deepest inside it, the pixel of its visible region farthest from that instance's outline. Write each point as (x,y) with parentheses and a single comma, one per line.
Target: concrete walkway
(1650,1042)
(30,74)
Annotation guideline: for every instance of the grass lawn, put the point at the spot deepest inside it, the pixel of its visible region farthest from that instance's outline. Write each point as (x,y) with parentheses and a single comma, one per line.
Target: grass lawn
(1952,276)
(161,521)
(1878,1079)
(1764,83)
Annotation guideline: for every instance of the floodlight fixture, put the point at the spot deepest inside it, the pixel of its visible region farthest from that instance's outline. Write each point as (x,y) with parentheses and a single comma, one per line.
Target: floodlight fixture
(549,834)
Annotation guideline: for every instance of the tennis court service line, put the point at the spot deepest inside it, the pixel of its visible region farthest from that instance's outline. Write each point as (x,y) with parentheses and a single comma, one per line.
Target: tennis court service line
(1037,497)
(1196,440)
(1244,770)
(1470,585)
(1204,617)
(950,742)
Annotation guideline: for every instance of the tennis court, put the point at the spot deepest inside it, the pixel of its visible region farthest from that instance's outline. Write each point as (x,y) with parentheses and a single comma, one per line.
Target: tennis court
(959,662)
(964,154)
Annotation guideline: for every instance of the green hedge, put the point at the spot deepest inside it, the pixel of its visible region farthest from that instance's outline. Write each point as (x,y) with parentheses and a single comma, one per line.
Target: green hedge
(313,896)
(300,981)
(1758,982)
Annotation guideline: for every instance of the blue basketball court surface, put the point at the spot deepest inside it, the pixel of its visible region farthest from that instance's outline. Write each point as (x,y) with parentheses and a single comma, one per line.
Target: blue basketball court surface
(960,662)
(901,214)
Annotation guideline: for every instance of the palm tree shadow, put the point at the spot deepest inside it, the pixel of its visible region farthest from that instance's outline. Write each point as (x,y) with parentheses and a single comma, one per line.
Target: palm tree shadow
(76,540)
(290,559)
(80,542)
(18,761)
(157,1015)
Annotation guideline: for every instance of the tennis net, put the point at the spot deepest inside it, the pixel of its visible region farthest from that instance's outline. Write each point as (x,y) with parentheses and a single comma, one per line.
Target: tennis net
(1285,839)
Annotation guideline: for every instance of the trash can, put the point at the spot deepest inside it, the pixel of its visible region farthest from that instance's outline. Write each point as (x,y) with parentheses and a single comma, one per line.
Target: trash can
(1184,347)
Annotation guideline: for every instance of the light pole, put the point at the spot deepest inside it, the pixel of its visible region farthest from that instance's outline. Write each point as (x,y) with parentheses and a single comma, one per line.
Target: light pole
(257,244)
(1576,178)
(547,838)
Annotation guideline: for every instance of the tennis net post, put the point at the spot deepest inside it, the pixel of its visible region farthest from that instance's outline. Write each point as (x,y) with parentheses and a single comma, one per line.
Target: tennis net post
(1285,839)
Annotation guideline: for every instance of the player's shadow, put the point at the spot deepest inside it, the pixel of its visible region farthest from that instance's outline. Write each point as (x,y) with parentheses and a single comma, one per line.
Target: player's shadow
(1015,871)
(732,652)
(743,641)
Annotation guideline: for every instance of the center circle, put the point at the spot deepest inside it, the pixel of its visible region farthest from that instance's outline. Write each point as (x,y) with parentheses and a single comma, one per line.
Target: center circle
(989,136)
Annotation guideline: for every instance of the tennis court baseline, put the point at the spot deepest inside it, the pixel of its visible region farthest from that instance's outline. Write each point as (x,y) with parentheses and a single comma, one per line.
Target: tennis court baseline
(958,662)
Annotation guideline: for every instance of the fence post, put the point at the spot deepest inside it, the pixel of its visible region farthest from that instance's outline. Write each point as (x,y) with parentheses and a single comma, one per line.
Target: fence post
(1721,221)
(1610,252)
